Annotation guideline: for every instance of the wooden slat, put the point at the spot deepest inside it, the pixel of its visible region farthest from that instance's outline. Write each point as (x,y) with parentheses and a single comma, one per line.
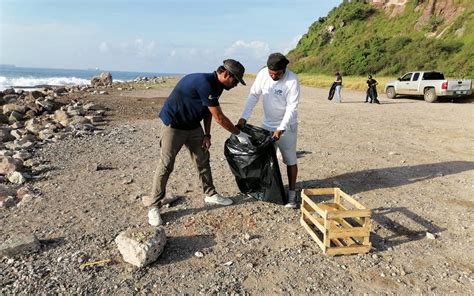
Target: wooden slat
(357,219)
(348,214)
(337,242)
(344,233)
(318,222)
(314,206)
(354,202)
(313,235)
(328,206)
(337,195)
(319,191)
(348,250)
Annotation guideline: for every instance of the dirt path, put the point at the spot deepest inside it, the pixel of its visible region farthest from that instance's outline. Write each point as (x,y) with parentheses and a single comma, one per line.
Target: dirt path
(411,162)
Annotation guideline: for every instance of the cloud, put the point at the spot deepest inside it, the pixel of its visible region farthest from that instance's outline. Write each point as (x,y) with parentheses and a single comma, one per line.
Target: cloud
(103,47)
(253,50)
(138,48)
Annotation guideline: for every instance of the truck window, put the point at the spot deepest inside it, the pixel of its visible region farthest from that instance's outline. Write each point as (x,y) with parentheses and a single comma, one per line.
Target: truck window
(433,76)
(416,76)
(406,77)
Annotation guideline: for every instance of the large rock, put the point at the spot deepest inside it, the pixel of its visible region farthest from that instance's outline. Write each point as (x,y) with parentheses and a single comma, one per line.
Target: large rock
(19,244)
(10,165)
(141,246)
(104,79)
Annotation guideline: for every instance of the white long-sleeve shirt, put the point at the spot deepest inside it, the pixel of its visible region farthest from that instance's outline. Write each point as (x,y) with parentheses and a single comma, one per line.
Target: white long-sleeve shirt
(280,100)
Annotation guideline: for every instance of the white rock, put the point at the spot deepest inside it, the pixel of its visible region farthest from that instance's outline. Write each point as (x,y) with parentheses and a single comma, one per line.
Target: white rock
(16,178)
(199,254)
(141,246)
(430,235)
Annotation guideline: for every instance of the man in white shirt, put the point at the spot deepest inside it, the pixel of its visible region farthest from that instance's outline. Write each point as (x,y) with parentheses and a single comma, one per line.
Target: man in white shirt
(280,90)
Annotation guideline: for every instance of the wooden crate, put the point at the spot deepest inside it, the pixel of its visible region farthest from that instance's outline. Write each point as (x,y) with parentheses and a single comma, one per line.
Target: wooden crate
(340,225)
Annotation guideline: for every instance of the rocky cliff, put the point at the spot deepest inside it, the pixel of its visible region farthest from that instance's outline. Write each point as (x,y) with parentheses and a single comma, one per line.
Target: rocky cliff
(389,37)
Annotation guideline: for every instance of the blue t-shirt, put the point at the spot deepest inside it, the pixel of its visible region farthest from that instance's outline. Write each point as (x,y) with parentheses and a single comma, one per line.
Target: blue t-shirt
(188,103)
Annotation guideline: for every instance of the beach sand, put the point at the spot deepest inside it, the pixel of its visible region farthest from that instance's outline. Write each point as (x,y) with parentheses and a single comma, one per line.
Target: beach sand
(411,162)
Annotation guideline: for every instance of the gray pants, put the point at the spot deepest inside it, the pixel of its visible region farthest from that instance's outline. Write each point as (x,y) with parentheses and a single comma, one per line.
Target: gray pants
(338,94)
(172,140)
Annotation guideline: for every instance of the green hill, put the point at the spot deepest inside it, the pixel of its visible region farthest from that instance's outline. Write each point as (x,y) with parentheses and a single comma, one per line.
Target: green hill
(357,38)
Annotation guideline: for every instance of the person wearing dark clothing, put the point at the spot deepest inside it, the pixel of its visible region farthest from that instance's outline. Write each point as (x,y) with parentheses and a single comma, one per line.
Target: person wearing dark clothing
(186,115)
(371,91)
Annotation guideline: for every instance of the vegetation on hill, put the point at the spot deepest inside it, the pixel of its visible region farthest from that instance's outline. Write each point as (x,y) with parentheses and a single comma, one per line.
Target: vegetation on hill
(358,38)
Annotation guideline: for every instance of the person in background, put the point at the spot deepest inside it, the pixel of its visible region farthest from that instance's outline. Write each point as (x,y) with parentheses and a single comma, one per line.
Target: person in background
(338,82)
(371,90)
(194,100)
(280,90)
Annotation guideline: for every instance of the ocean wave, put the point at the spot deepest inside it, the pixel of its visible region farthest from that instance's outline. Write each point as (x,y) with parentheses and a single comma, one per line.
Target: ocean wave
(31,82)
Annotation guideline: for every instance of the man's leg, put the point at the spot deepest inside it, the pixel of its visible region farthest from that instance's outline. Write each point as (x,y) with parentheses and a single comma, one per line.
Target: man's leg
(200,157)
(287,146)
(338,94)
(292,171)
(171,142)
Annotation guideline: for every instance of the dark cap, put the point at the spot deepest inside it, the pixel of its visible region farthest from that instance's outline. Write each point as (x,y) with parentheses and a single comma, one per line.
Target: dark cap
(235,68)
(276,62)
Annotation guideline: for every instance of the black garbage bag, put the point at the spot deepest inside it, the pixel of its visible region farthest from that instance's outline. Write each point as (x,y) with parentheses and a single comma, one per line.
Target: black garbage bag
(332,90)
(255,166)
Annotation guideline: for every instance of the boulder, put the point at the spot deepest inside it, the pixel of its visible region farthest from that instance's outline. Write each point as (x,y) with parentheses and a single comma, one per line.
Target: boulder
(104,79)
(141,246)
(19,244)
(9,165)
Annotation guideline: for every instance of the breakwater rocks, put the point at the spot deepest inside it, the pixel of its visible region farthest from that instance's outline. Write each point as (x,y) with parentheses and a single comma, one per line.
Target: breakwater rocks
(29,120)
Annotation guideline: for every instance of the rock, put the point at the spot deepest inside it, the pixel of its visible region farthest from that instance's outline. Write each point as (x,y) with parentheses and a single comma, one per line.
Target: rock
(141,246)
(199,254)
(15,116)
(430,235)
(16,178)
(104,79)
(9,108)
(9,165)
(19,244)
(7,202)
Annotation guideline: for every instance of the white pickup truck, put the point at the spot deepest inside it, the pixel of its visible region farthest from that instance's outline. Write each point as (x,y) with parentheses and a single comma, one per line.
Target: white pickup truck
(430,84)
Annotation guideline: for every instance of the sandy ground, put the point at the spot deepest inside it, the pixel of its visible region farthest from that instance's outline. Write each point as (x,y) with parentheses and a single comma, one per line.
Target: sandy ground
(411,162)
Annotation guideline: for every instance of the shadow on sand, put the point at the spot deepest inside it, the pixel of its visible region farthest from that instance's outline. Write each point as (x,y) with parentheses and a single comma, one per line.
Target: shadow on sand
(397,225)
(366,180)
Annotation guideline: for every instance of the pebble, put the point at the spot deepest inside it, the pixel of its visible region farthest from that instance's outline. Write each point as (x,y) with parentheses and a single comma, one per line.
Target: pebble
(199,254)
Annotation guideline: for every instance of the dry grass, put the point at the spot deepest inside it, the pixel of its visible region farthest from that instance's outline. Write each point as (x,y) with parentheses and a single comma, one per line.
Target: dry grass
(349,82)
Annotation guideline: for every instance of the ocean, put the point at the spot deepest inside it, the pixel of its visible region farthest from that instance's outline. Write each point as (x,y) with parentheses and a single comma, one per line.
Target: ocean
(31,78)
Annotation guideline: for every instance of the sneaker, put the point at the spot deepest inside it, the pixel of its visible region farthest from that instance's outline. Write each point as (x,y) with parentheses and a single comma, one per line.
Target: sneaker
(154,217)
(291,203)
(218,199)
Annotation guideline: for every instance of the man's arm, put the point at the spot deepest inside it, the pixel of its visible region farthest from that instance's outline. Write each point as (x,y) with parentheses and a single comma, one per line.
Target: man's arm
(207,123)
(222,120)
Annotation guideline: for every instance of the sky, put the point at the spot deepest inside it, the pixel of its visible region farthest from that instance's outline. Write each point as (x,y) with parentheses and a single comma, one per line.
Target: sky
(167,36)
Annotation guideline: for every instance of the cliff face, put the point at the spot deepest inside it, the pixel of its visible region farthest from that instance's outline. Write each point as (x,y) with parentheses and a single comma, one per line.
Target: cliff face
(389,37)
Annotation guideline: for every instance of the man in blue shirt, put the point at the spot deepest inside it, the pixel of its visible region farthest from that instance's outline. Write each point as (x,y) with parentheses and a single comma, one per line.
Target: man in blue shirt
(194,99)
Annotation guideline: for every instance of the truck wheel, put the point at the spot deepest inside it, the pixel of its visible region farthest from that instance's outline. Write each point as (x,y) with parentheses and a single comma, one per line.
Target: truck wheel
(391,94)
(430,95)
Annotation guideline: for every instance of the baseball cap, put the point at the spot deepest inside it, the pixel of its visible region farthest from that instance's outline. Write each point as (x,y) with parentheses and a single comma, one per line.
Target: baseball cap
(276,62)
(235,68)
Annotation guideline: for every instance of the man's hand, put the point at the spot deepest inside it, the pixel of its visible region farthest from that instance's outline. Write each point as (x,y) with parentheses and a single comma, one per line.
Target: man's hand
(243,138)
(206,143)
(277,134)
(242,122)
